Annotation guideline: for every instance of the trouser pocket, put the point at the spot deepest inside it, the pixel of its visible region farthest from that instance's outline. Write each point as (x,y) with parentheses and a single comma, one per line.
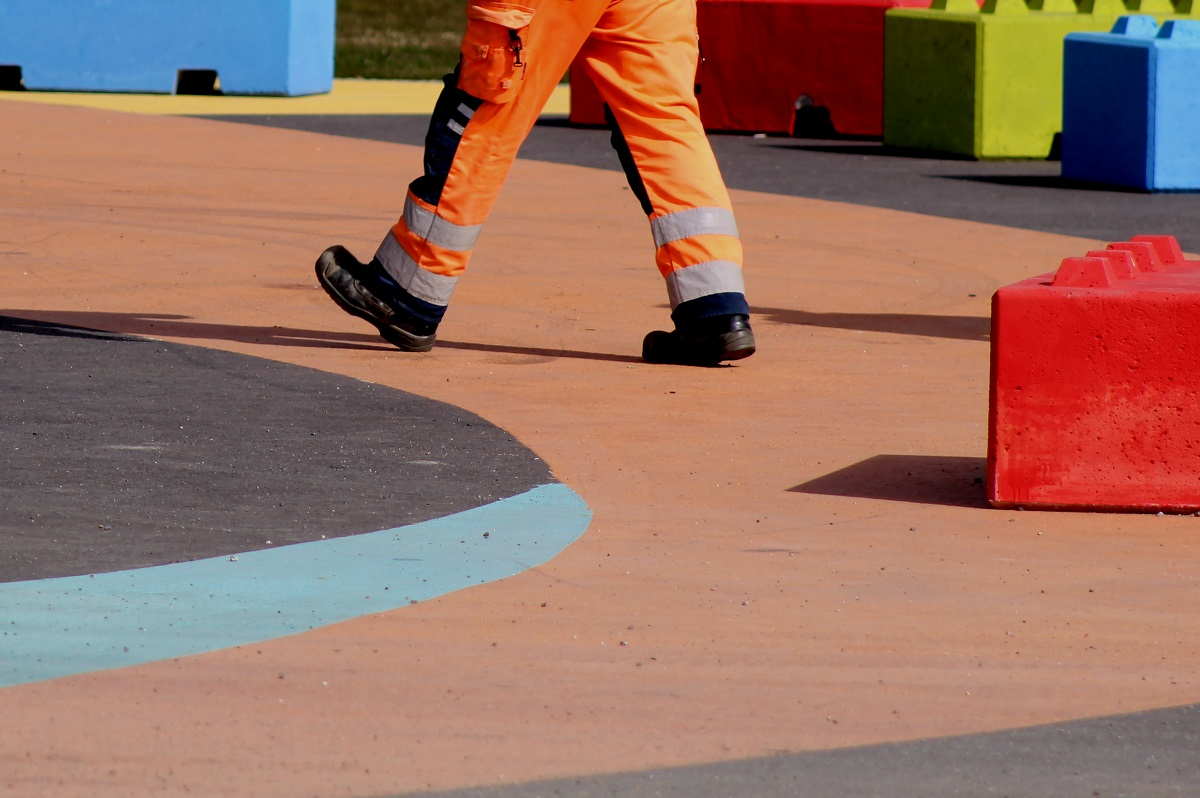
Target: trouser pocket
(493,50)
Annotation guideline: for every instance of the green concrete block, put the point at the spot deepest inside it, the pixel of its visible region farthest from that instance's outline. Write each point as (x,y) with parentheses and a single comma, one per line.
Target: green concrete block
(987,82)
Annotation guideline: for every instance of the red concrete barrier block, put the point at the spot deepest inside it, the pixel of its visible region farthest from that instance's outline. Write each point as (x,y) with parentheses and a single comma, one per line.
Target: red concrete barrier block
(1095,389)
(762,56)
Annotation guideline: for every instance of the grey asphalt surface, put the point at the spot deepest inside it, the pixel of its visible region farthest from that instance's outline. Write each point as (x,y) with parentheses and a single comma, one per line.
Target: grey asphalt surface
(1149,755)
(121,452)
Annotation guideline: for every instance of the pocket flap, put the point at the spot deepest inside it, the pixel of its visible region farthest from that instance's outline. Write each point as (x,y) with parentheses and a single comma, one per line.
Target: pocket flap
(507,15)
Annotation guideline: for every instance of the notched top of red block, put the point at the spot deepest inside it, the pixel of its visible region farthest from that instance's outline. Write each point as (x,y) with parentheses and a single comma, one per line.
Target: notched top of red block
(1122,261)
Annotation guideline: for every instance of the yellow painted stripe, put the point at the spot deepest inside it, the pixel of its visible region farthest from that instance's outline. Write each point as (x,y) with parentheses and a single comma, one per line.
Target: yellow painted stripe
(350,96)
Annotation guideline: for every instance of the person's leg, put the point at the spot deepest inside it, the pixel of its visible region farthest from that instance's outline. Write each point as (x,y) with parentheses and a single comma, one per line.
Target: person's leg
(642,57)
(513,57)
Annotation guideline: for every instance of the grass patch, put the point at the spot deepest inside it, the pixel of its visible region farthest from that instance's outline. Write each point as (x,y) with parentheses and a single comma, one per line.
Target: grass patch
(398,39)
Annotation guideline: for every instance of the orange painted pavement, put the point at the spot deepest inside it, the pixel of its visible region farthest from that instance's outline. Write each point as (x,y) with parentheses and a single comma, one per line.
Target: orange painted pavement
(715,609)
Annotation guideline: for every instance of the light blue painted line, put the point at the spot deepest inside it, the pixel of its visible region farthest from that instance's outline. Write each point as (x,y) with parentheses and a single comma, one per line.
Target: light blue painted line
(79,624)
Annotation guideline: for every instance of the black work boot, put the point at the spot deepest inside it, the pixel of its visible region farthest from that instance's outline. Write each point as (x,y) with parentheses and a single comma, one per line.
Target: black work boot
(359,289)
(704,343)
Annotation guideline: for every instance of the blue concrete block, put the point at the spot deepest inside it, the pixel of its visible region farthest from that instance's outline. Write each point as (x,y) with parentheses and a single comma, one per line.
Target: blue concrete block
(255,46)
(1131,109)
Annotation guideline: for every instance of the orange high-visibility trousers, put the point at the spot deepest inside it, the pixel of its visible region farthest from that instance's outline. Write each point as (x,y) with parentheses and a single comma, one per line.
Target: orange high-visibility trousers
(642,56)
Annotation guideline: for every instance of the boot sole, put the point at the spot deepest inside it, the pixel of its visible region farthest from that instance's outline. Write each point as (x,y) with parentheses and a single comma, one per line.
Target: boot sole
(661,347)
(401,339)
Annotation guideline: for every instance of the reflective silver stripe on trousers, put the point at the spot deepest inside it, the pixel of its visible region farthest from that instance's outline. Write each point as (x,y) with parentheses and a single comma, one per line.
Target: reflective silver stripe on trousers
(693,222)
(437,231)
(704,279)
(433,288)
